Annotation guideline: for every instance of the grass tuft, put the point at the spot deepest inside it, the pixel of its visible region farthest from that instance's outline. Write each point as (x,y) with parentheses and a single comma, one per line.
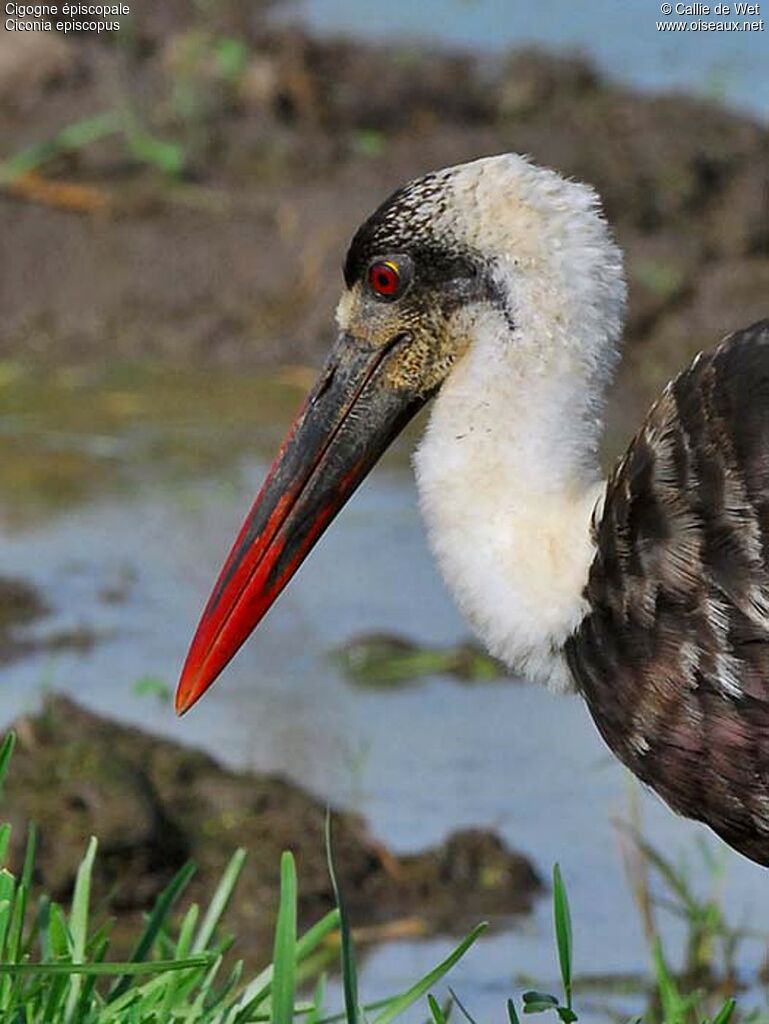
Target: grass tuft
(284,959)
(54,966)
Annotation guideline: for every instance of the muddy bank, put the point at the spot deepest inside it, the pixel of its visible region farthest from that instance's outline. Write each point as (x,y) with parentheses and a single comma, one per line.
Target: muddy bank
(382,660)
(286,142)
(154,805)
(21,609)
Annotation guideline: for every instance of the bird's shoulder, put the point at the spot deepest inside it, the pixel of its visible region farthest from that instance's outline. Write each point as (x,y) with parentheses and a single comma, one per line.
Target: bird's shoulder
(672,655)
(689,500)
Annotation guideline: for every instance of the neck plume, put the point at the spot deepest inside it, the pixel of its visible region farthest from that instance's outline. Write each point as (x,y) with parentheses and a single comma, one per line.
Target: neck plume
(508,470)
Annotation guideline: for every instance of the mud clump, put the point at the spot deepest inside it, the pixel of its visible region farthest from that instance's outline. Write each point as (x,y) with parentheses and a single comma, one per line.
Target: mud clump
(21,607)
(20,603)
(155,804)
(386,659)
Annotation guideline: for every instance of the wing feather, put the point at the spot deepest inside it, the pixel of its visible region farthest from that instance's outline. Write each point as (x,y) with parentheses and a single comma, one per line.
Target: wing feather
(673,655)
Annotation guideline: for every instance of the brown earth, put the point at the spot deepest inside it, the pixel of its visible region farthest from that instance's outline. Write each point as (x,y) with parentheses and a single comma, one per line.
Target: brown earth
(289,144)
(155,804)
(21,607)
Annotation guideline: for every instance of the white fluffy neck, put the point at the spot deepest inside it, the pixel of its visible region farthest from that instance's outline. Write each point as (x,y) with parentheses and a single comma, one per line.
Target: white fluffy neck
(508,505)
(508,470)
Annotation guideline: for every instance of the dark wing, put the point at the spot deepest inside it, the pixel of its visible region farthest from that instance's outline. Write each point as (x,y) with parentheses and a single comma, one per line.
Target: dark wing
(673,656)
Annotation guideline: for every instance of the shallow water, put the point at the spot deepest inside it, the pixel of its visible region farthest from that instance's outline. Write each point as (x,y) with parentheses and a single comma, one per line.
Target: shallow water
(620,35)
(134,557)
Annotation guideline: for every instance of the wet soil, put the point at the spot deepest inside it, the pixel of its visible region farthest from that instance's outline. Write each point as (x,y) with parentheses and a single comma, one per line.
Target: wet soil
(155,804)
(20,604)
(374,660)
(21,607)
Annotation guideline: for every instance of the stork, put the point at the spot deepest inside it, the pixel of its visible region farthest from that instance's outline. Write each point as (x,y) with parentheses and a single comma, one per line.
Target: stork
(495,288)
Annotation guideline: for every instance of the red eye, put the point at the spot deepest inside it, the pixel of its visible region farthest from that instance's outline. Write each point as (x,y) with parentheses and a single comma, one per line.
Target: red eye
(384,278)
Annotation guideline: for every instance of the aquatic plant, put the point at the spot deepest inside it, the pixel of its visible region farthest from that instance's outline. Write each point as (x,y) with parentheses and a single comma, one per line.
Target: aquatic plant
(140,144)
(674,999)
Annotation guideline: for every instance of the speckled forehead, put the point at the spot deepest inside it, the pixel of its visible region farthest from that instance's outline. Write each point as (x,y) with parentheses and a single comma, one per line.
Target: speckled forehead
(413,218)
(475,212)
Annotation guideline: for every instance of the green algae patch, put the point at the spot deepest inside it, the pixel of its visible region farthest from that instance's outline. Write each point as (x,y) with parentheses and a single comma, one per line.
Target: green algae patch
(68,436)
(382,660)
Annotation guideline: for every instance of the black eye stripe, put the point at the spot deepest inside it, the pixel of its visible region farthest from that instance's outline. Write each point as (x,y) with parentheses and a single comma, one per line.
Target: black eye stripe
(452,278)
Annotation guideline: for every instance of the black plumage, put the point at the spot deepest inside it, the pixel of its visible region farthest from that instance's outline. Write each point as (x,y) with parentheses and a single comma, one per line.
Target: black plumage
(673,655)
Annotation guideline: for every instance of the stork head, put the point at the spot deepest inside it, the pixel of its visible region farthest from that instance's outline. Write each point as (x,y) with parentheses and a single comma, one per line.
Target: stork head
(445,257)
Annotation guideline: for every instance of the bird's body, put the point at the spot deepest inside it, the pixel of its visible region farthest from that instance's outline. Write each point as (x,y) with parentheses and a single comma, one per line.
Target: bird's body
(496,288)
(673,654)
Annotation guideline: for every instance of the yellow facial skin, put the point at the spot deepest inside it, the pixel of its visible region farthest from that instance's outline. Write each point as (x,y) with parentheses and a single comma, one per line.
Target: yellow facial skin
(437,328)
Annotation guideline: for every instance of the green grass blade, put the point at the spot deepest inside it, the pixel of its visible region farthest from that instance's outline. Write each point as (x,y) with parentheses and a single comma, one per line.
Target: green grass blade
(218,904)
(160,911)
(78,923)
(168,157)
(7,884)
(461,1007)
(198,1006)
(439,1017)
(107,968)
(6,752)
(673,878)
(99,951)
(5,919)
(5,840)
(18,914)
(58,933)
(42,926)
(402,1002)
(365,1008)
(670,997)
(29,856)
(563,935)
(90,129)
(726,1012)
(318,998)
(512,1016)
(259,988)
(73,137)
(187,930)
(313,937)
(284,958)
(57,991)
(7,904)
(347,952)
(227,990)
(173,984)
(78,918)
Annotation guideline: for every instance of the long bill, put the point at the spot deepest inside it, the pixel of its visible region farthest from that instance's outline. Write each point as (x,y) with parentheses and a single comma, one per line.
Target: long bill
(349,418)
